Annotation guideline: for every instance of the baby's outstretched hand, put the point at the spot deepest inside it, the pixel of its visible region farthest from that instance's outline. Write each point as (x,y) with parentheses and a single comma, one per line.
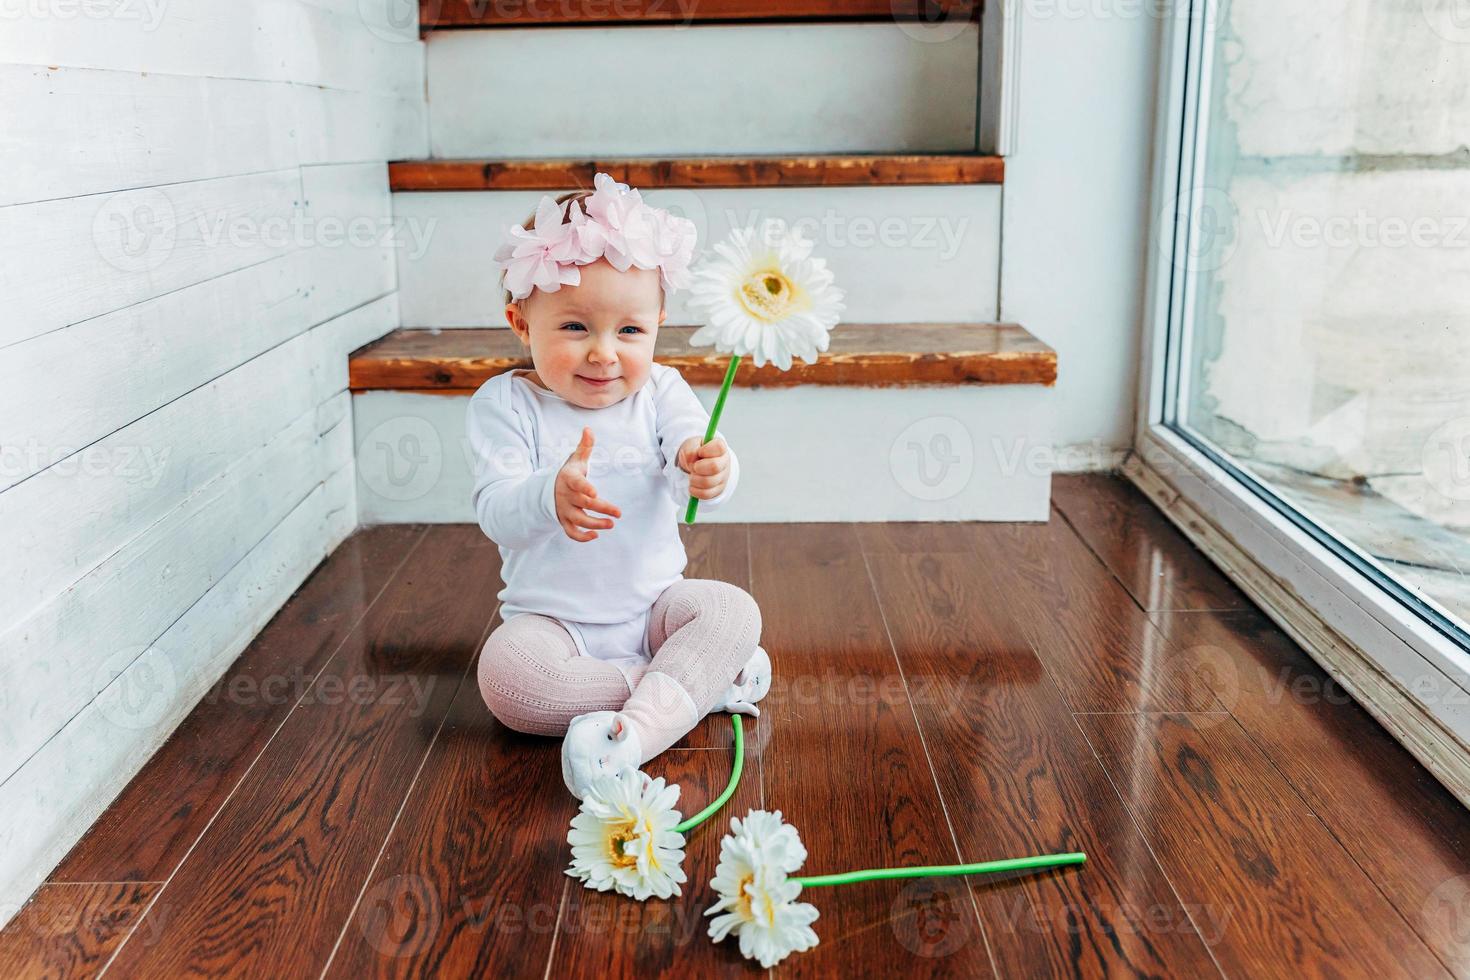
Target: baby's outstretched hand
(575,495)
(708,466)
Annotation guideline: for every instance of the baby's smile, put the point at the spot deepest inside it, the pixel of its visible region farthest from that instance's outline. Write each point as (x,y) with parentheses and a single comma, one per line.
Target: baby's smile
(597,382)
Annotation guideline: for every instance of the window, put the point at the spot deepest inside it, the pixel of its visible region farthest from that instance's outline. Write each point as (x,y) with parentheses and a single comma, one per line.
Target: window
(1308,382)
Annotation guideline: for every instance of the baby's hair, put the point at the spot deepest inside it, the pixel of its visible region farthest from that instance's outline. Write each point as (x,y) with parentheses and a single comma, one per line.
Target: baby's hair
(563,204)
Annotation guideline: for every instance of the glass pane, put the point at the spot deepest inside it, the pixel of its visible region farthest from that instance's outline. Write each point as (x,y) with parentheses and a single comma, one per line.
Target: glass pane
(1326,340)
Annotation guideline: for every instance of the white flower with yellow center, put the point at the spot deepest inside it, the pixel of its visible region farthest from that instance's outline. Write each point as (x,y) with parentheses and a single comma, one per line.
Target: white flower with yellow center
(765,296)
(757,900)
(623,838)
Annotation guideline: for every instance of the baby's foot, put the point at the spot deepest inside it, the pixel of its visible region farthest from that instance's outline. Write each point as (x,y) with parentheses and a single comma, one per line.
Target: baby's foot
(751,684)
(597,743)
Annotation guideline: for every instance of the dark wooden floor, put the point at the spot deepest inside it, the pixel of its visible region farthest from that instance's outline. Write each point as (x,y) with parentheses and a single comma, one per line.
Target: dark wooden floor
(344,805)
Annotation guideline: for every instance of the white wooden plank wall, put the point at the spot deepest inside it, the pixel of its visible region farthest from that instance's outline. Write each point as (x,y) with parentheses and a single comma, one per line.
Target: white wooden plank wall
(195,230)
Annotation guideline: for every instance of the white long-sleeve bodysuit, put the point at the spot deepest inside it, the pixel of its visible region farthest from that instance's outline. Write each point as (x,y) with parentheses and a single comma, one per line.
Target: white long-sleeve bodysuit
(602,590)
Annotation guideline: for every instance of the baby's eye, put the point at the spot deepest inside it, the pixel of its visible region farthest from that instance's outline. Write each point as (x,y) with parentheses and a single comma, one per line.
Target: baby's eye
(632,327)
(572,326)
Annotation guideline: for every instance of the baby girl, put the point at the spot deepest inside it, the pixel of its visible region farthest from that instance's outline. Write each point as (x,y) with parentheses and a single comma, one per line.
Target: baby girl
(583,466)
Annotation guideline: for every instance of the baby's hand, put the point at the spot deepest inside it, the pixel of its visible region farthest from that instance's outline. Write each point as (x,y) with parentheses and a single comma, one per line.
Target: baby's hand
(575,495)
(708,466)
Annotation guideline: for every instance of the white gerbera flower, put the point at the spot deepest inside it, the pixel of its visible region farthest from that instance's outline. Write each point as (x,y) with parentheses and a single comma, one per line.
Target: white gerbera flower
(623,838)
(757,900)
(765,296)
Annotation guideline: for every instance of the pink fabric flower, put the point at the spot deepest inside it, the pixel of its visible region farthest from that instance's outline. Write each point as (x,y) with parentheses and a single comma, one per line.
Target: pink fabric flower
(632,227)
(546,256)
(617,226)
(675,246)
(590,236)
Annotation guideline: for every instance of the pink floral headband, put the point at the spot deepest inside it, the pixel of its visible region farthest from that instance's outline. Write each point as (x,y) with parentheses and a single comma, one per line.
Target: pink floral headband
(617,225)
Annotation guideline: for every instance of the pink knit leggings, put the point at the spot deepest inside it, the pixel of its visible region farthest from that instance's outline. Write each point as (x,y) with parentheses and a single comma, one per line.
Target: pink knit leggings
(701,633)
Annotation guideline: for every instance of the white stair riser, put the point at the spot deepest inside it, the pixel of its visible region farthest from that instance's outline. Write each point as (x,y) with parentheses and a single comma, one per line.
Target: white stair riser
(808,453)
(903,254)
(807,88)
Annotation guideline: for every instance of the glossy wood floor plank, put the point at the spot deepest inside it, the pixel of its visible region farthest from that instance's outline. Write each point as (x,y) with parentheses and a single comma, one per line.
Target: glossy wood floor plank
(1099,647)
(1152,558)
(1399,823)
(1281,895)
(273,879)
(1019,779)
(915,538)
(146,831)
(71,930)
(1002,632)
(470,882)
(845,762)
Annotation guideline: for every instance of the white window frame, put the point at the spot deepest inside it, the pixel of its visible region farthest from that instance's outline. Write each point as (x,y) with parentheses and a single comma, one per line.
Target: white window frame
(1000,78)
(1409,672)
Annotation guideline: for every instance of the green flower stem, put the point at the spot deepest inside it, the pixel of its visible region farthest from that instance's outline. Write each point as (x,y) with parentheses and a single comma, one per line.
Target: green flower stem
(735,771)
(714,421)
(1009,864)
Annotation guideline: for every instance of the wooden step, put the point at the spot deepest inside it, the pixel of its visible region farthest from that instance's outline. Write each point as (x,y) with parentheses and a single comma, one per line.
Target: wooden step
(824,170)
(449,14)
(882,355)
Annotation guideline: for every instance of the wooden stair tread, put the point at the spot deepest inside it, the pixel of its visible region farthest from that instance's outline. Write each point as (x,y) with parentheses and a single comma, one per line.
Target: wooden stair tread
(818,170)
(458,361)
(449,14)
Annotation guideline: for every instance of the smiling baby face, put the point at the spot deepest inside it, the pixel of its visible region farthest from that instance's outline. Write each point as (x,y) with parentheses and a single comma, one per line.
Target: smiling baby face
(592,343)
